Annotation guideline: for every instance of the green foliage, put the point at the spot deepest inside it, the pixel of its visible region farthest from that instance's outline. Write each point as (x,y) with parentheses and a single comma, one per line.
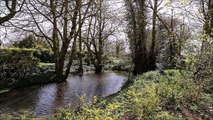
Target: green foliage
(28,42)
(176,90)
(44,55)
(6,55)
(15,64)
(18,67)
(120,64)
(22,115)
(31,42)
(15,55)
(152,96)
(165,115)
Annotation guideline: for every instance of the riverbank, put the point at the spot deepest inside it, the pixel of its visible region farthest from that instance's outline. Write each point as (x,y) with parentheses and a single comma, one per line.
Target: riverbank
(24,67)
(45,100)
(167,95)
(171,95)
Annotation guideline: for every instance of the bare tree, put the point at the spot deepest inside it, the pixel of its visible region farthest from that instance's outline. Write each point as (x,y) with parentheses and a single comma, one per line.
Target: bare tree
(59,23)
(11,9)
(100,27)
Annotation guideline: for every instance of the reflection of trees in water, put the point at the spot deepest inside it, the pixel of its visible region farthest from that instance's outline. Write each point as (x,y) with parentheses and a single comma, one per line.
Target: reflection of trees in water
(61,90)
(99,86)
(47,98)
(94,88)
(13,100)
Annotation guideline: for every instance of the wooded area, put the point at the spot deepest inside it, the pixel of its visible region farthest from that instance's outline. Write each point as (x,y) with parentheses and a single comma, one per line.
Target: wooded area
(45,41)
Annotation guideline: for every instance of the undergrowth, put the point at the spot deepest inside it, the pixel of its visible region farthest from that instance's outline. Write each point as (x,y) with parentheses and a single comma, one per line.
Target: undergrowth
(152,96)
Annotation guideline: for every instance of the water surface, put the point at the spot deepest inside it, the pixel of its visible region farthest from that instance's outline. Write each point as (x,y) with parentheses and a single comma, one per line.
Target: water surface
(46,99)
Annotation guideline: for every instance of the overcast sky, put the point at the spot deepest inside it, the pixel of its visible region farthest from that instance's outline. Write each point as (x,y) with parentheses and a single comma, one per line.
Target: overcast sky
(181,10)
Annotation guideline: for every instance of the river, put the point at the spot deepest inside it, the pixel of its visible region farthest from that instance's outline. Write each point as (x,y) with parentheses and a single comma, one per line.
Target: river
(47,99)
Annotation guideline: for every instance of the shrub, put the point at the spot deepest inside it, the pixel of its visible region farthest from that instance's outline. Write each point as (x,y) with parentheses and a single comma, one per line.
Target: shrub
(16,64)
(165,115)
(44,55)
(28,42)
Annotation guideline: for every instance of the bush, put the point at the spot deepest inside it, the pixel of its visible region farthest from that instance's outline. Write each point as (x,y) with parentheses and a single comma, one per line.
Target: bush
(38,48)
(15,65)
(44,55)
(14,54)
(19,67)
(28,42)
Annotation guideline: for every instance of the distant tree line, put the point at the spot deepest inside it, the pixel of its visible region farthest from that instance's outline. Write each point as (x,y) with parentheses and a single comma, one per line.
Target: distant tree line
(157,40)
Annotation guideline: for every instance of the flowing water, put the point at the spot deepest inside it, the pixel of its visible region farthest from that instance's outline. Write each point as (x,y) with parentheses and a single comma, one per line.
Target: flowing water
(46,99)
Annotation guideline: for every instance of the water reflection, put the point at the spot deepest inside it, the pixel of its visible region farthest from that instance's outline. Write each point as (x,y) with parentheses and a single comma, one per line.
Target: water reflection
(43,100)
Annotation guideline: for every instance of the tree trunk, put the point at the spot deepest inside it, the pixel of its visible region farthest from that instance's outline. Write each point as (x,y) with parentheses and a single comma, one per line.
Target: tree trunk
(80,69)
(211,22)
(117,50)
(66,41)
(55,38)
(140,57)
(210,18)
(152,54)
(98,68)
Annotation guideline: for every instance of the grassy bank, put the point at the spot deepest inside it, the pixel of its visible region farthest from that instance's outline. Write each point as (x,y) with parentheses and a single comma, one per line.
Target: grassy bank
(172,95)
